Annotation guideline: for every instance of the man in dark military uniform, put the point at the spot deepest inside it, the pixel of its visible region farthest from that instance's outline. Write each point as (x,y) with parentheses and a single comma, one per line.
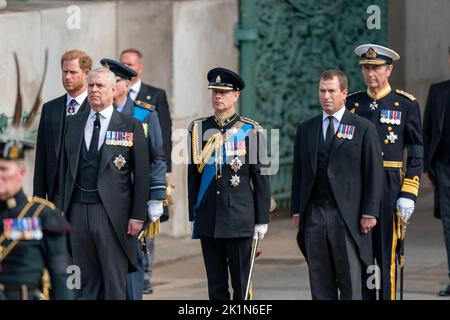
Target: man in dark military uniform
(397,117)
(33,244)
(436,136)
(144,94)
(229,195)
(147,114)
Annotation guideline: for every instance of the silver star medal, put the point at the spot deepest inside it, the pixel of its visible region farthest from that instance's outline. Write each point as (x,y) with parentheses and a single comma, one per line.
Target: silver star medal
(392,137)
(235,180)
(120,162)
(236,164)
(373,105)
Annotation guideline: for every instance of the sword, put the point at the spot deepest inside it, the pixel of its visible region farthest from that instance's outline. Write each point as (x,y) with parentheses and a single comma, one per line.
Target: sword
(253,257)
(401,252)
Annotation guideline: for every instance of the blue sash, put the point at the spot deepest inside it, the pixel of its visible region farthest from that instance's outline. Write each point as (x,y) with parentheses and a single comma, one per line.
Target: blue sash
(209,170)
(140,113)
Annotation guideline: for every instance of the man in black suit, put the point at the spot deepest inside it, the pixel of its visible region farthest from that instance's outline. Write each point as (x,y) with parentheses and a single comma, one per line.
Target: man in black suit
(436,136)
(229,194)
(75,67)
(336,192)
(142,94)
(103,197)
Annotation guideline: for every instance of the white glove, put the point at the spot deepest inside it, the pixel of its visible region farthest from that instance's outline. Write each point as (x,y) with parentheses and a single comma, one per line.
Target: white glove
(406,207)
(192,226)
(260,231)
(155,209)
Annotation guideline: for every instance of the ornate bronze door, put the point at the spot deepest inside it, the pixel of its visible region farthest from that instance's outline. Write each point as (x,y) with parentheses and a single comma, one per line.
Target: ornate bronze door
(284,46)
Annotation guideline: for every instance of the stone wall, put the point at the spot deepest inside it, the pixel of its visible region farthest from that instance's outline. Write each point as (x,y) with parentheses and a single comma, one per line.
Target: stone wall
(180,39)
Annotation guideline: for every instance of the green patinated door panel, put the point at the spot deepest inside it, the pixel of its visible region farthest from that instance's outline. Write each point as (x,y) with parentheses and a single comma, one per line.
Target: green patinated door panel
(284,46)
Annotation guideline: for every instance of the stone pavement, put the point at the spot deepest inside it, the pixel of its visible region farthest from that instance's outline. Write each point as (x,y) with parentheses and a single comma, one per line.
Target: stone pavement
(281,272)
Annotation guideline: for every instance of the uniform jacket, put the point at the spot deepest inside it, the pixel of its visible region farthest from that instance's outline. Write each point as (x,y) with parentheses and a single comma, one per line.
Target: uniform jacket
(355,173)
(395,138)
(157,97)
(155,147)
(227,211)
(26,261)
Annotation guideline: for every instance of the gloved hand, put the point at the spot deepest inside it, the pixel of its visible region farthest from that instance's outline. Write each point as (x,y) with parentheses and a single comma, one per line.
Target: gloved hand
(260,231)
(406,208)
(155,209)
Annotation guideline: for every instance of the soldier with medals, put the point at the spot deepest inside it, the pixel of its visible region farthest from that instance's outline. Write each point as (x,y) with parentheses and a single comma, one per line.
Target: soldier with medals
(396,115)
(33,244)
(229,195)
(147,114)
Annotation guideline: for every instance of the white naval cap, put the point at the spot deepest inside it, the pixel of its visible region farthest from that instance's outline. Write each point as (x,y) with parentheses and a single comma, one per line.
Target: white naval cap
(375,54)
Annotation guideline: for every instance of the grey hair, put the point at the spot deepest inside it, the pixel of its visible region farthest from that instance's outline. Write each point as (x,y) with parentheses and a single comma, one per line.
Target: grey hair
(111,76)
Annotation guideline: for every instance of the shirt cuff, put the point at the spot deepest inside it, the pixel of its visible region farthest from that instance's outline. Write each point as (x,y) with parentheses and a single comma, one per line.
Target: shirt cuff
(368,216)
(296,214)
(136,220)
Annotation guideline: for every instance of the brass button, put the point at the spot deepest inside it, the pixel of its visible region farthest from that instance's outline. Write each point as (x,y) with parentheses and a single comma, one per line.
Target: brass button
(389,129)
(218,192)
(356,104)
(396,104)
(386,141)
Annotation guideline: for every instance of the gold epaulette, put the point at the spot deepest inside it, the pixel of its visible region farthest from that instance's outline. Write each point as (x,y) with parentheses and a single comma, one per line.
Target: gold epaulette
(197,120)
(354,93)
(250,121)
(406,94)
(144,105)
(44,202)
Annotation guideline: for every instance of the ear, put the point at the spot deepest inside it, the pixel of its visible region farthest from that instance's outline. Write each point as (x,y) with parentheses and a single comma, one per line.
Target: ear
(86,73)
(236,96)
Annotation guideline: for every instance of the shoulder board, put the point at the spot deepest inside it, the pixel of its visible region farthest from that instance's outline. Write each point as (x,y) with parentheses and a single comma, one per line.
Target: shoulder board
(144,105)
(197,120)
(406,94)
(354,93)
(44,202)
(250,121)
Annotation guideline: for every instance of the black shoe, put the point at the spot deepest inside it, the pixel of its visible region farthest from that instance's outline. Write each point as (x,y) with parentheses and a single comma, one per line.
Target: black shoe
(147,287)
(445,292)
(147,291)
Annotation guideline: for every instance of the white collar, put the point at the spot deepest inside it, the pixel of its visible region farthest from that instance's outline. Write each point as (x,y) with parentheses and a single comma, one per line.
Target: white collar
(80,98)
(137,86)
(105,113)
(338,115)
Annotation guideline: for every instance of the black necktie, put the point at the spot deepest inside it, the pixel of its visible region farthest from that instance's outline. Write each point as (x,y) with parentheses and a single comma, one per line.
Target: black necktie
(330,132)
(95,135)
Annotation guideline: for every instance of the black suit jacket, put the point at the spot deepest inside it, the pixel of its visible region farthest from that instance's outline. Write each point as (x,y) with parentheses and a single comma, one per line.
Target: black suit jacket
(157,97)
(51,127)
(123,193)
(433,124)
(355,172)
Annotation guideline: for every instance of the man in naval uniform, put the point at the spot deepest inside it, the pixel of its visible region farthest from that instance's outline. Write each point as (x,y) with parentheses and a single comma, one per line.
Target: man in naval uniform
(33,244)
(229,195)
(147,114)
(396,115)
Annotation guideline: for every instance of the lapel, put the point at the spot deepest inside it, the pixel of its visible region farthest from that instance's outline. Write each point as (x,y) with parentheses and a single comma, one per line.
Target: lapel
(337,142)
(57,122)
(129,107)
(84,106)
(115,124)
(444,105)
(313,143)
(76,138)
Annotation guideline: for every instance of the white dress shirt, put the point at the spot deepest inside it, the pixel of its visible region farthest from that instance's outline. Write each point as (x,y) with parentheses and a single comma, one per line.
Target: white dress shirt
(80,99)
(134,90)
(105,118)
(337,117)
